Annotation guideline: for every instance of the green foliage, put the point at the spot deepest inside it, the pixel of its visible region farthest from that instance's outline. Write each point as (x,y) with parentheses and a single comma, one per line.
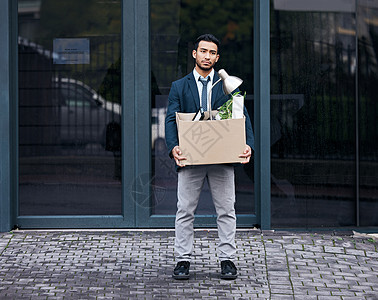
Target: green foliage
(72,18)
(101,22)
(173,34)
(225,111)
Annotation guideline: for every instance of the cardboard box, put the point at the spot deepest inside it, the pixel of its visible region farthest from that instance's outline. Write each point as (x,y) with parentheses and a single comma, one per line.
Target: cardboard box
(210,141)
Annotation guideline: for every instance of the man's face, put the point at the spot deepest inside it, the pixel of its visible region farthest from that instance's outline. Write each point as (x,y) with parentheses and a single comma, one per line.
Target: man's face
(206,55)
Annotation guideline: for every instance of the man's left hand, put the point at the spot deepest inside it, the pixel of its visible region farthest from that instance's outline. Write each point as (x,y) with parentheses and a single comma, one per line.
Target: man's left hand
(246,154)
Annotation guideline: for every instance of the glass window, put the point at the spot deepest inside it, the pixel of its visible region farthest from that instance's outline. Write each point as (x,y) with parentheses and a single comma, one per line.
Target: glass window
(368,111)
(172,37)
(313,113)
(69,107)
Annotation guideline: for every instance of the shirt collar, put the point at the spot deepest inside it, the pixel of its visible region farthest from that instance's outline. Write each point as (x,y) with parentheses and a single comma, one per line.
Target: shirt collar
(197,75)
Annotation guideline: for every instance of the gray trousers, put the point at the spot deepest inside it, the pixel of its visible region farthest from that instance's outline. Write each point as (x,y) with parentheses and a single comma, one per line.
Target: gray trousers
(222,186)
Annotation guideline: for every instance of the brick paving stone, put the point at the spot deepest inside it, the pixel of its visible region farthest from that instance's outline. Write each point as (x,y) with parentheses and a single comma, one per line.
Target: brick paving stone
(138,265)
(282,297)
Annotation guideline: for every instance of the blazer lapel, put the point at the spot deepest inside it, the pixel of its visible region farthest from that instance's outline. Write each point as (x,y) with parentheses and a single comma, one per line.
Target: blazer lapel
(194,90)
(217,91)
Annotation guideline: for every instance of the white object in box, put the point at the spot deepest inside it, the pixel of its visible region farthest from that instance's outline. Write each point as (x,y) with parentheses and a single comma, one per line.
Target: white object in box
(237,107)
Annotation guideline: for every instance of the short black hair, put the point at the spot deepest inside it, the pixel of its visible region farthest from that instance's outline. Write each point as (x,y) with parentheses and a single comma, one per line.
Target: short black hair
(208,38)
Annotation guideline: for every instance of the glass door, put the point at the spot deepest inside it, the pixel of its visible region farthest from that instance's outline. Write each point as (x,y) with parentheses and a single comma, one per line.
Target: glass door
(171,44)
(313,114)
(69,109)
(367,205)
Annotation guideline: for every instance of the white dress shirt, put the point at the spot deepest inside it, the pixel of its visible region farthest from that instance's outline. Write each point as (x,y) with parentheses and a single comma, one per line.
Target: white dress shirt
(200,86)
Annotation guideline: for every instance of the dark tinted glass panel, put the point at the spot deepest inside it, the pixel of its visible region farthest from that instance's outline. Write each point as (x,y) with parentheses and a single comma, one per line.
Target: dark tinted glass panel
(368,111)
(313,73)
(69,107)
(172,37)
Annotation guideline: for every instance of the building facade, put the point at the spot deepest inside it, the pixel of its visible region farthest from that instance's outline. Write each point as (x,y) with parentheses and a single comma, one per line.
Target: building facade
(83,94)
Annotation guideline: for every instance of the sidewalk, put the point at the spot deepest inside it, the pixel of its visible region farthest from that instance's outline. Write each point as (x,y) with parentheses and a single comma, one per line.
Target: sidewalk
(138,265)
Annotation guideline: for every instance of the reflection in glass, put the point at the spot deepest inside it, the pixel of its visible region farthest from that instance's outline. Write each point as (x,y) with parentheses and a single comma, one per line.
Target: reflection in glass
(69,108)
(313,73)
(172,37)
(368,111)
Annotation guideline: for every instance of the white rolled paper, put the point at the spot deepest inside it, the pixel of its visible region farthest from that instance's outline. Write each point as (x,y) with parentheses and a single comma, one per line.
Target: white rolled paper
(238,107)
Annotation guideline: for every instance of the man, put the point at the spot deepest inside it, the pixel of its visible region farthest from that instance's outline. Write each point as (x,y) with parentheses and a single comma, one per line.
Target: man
(187,95)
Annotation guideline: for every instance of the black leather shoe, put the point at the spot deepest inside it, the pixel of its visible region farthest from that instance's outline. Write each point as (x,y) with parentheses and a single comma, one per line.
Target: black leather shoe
(228,270)
(182,270)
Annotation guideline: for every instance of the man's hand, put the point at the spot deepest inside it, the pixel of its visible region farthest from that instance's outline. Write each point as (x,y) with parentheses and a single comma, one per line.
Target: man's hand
(176,153)
(246,154)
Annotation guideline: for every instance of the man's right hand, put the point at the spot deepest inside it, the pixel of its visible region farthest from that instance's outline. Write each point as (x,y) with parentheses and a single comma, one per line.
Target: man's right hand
(177,155)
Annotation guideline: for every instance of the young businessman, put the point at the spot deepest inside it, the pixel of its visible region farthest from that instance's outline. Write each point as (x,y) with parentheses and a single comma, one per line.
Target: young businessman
(187,95)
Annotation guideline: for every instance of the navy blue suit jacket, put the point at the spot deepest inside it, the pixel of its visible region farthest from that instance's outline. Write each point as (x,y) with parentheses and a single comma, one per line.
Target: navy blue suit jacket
(184,97)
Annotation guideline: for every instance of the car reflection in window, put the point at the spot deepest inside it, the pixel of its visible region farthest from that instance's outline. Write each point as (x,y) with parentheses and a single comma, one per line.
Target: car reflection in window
(85,117)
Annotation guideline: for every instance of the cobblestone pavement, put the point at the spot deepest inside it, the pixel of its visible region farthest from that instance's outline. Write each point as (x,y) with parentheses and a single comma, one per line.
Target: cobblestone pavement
(138,265)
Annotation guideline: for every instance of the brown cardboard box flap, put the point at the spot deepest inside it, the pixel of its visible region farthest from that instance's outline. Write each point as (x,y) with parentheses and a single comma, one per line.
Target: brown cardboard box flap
(210,141)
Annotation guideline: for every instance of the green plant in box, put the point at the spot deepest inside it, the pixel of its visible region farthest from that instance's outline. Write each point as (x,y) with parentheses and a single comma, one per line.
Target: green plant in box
(225,111)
